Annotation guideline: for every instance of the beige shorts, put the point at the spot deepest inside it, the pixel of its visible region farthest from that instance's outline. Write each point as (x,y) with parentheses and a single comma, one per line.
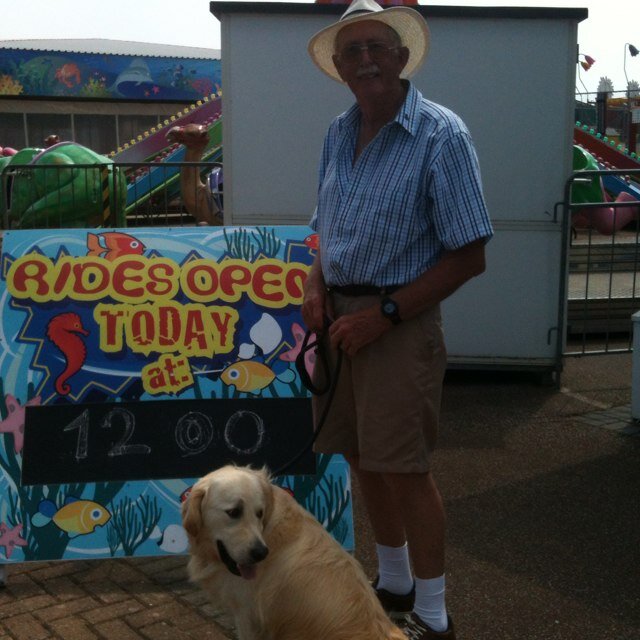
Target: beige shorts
(386,405)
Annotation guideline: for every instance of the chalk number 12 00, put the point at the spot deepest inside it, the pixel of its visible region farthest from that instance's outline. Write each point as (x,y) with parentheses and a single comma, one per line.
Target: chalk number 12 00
(193,433)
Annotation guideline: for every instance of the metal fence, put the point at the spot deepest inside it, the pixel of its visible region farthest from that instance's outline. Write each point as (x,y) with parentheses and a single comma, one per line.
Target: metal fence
(600,288)
(110,195)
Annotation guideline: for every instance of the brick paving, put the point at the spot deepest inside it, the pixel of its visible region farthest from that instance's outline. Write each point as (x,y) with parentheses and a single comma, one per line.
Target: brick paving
(133,599)
(541,493)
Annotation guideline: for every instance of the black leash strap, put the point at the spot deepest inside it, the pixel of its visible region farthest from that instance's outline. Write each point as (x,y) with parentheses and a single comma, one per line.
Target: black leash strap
(321,358)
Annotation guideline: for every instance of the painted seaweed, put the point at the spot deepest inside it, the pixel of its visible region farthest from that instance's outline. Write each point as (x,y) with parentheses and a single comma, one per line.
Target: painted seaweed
(132,524)
(243,245)
(323,495)
(239,245)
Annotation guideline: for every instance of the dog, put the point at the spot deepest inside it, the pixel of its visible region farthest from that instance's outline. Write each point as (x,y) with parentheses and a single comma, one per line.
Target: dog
(261,556)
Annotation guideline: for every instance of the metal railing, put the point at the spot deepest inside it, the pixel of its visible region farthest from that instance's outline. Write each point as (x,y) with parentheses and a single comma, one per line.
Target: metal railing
(611,114)
(600,283)
(109,195)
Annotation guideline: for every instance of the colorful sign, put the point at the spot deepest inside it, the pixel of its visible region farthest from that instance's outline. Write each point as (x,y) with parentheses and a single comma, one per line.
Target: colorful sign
(160,349)
(96,75)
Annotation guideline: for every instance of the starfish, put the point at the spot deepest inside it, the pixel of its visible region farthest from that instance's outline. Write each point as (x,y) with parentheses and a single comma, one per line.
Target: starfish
(290,356)
(14,422)
(11,538)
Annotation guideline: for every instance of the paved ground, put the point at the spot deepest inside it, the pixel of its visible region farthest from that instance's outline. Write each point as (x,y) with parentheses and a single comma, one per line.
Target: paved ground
(541,487)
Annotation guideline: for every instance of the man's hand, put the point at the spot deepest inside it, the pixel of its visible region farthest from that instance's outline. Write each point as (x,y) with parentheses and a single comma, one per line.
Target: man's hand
(353,331)
(314,308)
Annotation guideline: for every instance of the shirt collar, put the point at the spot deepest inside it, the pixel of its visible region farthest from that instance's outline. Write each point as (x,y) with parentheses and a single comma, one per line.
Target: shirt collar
(407,116)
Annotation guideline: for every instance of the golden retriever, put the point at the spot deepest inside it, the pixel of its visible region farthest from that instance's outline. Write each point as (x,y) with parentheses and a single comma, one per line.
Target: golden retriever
(270,563)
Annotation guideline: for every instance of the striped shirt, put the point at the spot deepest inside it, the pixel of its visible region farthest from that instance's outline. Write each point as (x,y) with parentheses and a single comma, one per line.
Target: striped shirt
(414,192)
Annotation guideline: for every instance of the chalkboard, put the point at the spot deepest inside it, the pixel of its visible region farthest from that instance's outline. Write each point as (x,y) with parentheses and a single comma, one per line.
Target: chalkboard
(122,441)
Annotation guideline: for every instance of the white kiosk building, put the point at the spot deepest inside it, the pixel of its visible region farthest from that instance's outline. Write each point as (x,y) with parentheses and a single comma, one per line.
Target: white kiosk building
(508,72)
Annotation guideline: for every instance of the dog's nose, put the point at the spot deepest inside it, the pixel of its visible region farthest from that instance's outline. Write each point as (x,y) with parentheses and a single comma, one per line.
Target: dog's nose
(259,552)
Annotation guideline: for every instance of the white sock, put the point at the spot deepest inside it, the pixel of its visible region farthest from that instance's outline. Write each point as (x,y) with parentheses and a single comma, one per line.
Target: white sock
(430,606)
(394,569)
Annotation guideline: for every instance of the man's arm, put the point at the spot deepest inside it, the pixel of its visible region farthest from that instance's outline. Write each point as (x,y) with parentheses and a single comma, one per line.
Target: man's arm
(435,285)
(315,305)
(354,331)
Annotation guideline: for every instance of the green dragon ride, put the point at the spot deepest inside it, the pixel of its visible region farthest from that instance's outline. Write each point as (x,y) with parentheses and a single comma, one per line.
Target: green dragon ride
(65,185)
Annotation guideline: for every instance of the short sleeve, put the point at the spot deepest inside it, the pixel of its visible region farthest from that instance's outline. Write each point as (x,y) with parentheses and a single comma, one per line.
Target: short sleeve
(457,204)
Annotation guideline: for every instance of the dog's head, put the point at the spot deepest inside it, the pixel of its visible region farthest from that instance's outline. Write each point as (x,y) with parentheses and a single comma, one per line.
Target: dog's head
(225,516)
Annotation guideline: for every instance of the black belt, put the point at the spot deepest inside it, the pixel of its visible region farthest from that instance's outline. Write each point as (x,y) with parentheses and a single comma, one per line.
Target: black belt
(365,290)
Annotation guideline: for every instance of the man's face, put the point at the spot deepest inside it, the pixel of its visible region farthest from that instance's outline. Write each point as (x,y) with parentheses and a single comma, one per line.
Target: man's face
(374,71)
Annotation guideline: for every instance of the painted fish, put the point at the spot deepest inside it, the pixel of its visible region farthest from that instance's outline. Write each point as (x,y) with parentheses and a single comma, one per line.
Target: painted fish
(76,517)
(312,241)
(133,80)
(252,377)
(67,73)
(113,244)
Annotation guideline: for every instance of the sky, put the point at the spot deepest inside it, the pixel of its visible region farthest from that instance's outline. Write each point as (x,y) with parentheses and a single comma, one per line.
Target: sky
(603,36)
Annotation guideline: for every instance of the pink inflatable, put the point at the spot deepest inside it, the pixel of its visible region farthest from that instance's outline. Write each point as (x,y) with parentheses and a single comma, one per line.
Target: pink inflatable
(607,220)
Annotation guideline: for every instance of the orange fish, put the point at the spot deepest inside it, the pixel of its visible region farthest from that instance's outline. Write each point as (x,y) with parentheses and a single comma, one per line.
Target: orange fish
(113,244)
(76,517)
(312,241)
(67,73)
(252,377)
(248,376)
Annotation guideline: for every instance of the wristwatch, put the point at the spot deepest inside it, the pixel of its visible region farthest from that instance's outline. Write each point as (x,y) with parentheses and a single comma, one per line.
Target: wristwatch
(389,309)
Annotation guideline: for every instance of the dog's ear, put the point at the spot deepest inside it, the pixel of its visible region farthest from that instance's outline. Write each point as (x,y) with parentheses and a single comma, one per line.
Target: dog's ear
(268,489)
(192,512)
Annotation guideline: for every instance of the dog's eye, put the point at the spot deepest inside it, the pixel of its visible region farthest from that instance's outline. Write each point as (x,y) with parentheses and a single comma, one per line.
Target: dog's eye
(234,513)
(259,514)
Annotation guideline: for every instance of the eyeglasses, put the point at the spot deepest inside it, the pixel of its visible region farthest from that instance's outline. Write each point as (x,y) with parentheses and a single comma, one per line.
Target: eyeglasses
(377,51)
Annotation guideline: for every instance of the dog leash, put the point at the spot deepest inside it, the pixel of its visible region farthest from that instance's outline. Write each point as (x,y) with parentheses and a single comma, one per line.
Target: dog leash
(329,386)
(321,357)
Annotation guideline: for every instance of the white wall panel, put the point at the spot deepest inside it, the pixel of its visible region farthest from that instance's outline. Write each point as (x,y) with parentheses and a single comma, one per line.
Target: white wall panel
(509,73)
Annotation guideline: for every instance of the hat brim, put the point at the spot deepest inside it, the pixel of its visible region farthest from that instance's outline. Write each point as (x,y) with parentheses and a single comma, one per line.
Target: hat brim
(406,22)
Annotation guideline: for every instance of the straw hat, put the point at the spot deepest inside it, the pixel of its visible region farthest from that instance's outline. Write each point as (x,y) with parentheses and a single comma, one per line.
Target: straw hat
(407,23)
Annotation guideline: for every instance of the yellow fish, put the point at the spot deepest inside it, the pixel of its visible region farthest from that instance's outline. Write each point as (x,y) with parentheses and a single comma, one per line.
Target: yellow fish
(248,376)
(75,517)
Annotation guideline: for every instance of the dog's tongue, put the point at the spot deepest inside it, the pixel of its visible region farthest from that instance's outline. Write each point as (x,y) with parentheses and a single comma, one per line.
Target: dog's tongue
(247,571)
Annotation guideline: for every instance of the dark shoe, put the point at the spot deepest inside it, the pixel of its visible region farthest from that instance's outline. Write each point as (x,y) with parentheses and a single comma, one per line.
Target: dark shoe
(396,606)
(415,629)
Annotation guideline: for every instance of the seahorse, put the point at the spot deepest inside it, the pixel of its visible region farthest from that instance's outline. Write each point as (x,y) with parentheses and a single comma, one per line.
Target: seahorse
(61,331)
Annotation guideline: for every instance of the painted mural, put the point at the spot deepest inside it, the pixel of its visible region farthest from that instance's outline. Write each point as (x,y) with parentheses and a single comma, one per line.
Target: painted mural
(92,75)
(140,315)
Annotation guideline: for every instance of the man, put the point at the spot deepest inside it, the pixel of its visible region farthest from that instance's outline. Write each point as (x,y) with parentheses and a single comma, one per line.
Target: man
(402,224)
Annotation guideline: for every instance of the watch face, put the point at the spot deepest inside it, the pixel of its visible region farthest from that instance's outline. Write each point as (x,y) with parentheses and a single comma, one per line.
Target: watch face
(389,307)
